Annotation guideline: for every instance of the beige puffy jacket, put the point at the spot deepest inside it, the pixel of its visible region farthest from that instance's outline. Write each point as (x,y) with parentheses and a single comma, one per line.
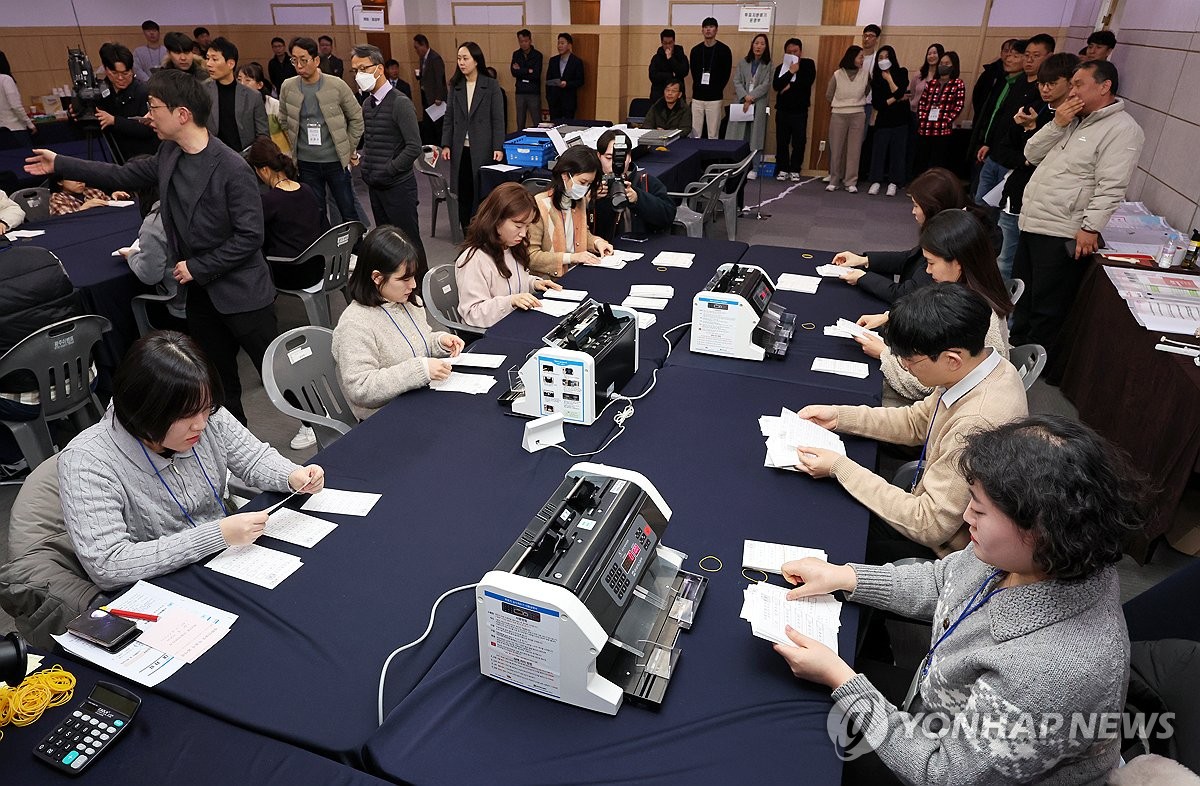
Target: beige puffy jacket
(1082,172)
(343,114)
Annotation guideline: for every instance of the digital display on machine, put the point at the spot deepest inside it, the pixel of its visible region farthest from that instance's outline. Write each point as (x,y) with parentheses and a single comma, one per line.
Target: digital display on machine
(762,296)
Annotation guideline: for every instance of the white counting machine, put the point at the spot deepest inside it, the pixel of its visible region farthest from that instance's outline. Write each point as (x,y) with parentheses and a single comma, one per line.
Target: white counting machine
(587,604)
(733,316)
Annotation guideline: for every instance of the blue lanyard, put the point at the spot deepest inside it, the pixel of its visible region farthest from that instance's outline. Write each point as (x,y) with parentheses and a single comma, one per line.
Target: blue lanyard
(520,288)
(971,608)
(921,461)
(163,480)
(411,348)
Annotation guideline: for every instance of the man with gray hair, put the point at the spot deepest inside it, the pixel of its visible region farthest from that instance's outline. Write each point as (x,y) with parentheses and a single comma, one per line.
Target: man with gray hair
(391,144)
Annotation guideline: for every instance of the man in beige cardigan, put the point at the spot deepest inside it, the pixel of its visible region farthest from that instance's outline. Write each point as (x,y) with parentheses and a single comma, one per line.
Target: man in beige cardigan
(938,333)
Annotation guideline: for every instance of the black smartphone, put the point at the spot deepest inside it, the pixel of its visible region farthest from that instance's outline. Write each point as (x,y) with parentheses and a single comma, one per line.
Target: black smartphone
(105,630)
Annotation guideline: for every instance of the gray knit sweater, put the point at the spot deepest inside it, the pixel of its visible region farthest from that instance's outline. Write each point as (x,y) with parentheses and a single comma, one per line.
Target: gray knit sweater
(121,518)
(380,353)
(1043,648)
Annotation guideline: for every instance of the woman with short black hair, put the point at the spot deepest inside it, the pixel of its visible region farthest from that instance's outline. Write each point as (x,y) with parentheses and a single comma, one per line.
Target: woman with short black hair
(1029,636)
(143,491)
(383,345)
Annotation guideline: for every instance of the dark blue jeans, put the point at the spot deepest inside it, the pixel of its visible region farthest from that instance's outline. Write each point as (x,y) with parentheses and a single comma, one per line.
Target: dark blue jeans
(337,178)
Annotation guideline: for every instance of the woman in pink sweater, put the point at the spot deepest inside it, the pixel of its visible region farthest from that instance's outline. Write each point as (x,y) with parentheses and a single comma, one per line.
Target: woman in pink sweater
(492,271)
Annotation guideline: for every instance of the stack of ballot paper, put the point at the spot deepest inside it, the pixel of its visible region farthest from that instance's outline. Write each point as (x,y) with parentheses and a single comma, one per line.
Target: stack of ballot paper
(793,282)
(624,256)
(464,383)
(575,295)
(255,564)
(789,431)
(556,308)
(844,328)
(833,271)
(653,297)
(846,368)
(769,557)
(769,612)
(673,259)
(477,360)
(185,630)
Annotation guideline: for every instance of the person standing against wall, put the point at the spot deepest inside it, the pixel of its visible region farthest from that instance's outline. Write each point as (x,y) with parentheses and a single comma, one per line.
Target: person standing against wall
(668,63)
(527,70)
(431,75)
(564,77)
(712,65)
(848,90)
(793,94)
(474,128)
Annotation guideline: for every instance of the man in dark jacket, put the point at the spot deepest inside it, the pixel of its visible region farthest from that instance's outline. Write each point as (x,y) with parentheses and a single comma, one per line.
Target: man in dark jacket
(120,112)
(526,68)
(650,208)
(564,77)
(238,114)
(671,112)
(993,74)
(279,67)
(712,65)
(213,218)
(391,143)
(431,75)
(669,62)
(793,83)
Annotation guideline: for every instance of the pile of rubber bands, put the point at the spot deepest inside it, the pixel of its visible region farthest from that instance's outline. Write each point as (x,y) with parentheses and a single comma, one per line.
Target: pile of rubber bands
(41,690)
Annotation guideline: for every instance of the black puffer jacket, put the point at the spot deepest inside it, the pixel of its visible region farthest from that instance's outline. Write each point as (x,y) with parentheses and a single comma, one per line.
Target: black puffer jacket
(36,292)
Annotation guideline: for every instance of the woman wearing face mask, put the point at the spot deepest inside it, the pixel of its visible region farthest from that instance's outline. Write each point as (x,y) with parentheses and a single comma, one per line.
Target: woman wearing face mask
(492,272)
(957,248)
(751,83)
(849,90)
(940,106)
(889,83)
(561,238)
(143,491)
(383,345)
(473,131)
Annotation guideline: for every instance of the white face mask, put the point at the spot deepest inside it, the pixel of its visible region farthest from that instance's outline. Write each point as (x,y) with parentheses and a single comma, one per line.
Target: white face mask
(577,190)
(885,65)
(365,81)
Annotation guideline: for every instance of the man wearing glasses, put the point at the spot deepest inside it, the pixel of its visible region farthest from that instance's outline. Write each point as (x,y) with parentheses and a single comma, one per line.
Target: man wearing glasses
(213,219)
(323,123)
(121,112)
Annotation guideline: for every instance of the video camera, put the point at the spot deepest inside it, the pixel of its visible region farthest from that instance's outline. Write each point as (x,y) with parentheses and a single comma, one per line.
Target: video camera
(87,92)
(615,181)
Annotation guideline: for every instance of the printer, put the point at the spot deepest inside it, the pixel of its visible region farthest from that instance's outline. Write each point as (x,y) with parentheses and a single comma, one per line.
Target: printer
(587,604)
(589,356)
(734,317)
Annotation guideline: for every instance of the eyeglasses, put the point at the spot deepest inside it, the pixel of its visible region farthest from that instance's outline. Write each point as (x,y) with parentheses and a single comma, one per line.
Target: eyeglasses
(301,61)
(151,107)
(365,69)
(907,363)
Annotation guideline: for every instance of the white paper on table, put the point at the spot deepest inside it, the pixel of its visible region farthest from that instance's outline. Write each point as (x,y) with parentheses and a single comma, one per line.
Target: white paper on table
(738,114)
(464,383)
(255,564)
(147,598)
(673,259)
(292,526)
(833,271)
(625,256)
(658,291)
(653,304)
(477,360)
(610,263)
(793,282)
(565,294)
(557,308)
(502,167)
(769,612)
(847,368)
(350,503)
(144,665)
(182,634)
(119,203)
(436,111)
(646,320)
(17,234)
(769,557)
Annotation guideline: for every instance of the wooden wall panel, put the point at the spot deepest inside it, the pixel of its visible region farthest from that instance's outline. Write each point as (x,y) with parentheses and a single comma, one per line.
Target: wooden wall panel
(827,59)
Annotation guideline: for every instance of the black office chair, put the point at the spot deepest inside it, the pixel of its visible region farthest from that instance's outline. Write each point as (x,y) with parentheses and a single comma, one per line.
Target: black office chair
(439,184)
(638,107)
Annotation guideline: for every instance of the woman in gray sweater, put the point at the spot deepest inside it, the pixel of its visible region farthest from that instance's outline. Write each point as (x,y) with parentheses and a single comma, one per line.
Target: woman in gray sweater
(1029,648)
(383,345)
(143,490)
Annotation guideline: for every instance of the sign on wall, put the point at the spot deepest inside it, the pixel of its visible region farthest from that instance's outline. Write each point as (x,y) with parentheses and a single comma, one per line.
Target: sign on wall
(370,19)
(755,18)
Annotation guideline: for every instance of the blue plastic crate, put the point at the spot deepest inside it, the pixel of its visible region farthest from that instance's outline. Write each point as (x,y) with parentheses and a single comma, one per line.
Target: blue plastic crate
(529,151)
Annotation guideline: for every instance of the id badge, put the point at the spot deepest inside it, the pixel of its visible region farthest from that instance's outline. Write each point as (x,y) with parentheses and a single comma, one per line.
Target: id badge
(935,113)
(314,135)
(705,78)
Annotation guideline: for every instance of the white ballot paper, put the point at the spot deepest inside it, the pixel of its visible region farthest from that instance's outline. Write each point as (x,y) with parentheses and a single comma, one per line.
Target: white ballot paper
(464,383)
(789,431)
(255,564)
(653,304)
(624,256)
(793,282)
(833,271)
(847,329)
(610,263)
(660,291)
(182,634)
(292,526)
(847,368)
(787,63)
(556,308)
(646,320)
(673,259)
(120,203)
(769,557)
(738,114)
(565,294)
(477,360)
(501,167)
(350,503)
(18,234)
(436,111)
(769,612)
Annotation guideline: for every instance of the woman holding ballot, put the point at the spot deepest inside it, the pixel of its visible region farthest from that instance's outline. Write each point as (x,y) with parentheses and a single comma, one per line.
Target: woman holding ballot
(383,345)
(143,490)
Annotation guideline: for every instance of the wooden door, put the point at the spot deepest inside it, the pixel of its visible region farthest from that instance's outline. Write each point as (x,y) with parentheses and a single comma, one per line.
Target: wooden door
(587,46)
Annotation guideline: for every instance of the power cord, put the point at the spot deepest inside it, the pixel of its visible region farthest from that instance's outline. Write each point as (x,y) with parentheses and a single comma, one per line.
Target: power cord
(428,628)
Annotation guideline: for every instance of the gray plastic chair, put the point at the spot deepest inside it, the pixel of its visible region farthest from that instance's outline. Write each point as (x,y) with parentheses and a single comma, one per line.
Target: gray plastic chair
(1030,360)
(59,356)
(439,184)
(34,201)
(735,175)
(335,247)
(299,364)
(536,185)
(141,313)
(698,204)
(440,291)
(1015,287)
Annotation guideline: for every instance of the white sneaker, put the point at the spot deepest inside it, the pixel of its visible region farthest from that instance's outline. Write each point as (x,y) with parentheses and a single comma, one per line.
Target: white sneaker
(874,189)
(795,177)
(305,438)
(781,176)
(752,175)
(851,189)
(831,187)
(891,189)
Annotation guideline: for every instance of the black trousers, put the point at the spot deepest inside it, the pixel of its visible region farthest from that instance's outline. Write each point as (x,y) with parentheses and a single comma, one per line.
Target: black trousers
(791,136)
(397,205)
(932,151)
(466,188)
(221,335)
(1052,278)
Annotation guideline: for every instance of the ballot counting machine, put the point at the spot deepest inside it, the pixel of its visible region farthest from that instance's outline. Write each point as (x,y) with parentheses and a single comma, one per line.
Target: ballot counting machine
(587,604)
(734,316)
(587,358)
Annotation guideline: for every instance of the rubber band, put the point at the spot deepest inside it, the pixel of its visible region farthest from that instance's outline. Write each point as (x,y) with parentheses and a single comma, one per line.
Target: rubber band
(711,570)
(756,570)
(806,256)
(808,325)
(24,704)
(661,269)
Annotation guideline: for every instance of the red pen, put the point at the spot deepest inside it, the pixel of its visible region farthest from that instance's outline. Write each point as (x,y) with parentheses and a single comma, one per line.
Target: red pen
(131,615)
